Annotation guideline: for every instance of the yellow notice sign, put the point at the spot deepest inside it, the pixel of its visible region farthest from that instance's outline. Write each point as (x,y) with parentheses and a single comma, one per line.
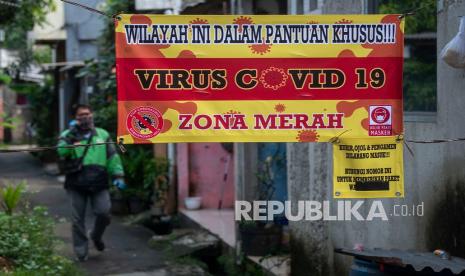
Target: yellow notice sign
(368,168)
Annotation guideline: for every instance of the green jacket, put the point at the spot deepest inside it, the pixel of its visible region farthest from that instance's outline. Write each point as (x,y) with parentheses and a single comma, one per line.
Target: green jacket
(100,155)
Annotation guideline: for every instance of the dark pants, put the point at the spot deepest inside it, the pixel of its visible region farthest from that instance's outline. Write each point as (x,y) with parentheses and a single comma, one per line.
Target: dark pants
(101,204)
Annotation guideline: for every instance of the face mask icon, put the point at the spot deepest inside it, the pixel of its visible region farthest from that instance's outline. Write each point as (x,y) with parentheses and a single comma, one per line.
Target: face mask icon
(380,115)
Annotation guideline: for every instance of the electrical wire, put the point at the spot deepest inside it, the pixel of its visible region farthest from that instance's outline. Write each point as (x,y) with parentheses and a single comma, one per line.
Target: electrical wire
(86,7)
(38,149)
(412,12)
(436,141)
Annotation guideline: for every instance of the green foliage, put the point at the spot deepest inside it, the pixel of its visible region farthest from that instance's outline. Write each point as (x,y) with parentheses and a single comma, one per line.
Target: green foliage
(43,119)
(17,21)
(10,197)
(191,261)
(24,88)
(246,268)
(425,13)
(161,190)
(139,165)
(163,244)
(419,86)
(419,82)
(106,117)
(248,224)
(42,54)
(265,177)
(104,99)
(4,79)
(156,168)
(141,170)
(27,240)
(26,237)
(8,122)
(28,14)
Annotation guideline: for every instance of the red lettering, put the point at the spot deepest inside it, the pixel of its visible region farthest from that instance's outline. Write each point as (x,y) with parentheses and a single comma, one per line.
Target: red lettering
(239,122)
(225,121)
(318,121)
(284,121)
(185,121)
(208,121)
(335,120)
(261,123)
(301,121)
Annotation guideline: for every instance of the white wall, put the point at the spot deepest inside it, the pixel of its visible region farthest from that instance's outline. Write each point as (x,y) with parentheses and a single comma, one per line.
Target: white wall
(53,28)
(435,175)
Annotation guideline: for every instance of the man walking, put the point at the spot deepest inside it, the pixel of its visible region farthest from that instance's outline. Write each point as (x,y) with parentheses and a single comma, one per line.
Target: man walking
(88,171)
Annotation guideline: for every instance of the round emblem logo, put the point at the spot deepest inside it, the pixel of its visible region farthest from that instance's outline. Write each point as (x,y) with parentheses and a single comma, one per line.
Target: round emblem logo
(144,122)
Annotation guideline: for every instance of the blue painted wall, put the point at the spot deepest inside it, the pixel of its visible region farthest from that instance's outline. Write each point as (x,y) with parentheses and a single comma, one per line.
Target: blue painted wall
(279,166)
(82,29)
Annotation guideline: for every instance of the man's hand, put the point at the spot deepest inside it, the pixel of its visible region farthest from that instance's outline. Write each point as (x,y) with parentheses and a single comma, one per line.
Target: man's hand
(119,183)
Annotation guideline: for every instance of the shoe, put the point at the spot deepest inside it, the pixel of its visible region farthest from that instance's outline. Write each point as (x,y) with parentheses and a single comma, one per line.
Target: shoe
(82,259)
(99,245)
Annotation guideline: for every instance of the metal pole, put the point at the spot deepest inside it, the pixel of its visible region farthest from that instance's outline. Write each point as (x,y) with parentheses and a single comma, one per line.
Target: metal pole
(233,6)
(306,8)
(2,38)
(240,9)
(293,7)
(61,108)
(172,147)
(364,6)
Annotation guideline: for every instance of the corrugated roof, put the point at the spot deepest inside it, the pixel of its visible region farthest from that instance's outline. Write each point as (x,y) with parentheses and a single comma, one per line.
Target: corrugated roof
(417,260)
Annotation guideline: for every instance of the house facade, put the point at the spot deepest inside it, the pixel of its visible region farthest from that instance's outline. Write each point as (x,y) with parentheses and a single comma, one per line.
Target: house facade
(433,173)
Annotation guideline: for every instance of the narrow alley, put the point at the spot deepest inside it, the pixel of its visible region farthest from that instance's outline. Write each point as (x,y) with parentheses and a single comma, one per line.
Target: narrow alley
(127,249)
(232,137)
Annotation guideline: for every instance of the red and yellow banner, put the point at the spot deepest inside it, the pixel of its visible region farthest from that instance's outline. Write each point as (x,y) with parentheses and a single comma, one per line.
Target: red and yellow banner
(258,78)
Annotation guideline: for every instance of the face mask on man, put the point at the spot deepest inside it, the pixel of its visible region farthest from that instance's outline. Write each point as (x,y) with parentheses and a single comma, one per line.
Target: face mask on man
(86,122)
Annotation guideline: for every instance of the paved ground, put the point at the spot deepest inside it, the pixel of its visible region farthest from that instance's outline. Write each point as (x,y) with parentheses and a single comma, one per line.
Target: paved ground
(127,249)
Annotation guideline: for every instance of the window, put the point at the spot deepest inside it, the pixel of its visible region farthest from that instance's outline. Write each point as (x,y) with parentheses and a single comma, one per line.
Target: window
(420,81)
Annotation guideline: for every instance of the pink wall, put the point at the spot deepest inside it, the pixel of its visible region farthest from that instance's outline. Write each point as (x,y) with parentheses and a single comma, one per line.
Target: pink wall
(182,165)
(201,167)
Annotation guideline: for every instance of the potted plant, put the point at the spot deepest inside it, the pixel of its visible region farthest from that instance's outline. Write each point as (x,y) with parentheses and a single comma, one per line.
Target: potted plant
(161,223)
(140,172)
(160,195)
(137,199)
(119,204)
(192,202)
(261,238)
